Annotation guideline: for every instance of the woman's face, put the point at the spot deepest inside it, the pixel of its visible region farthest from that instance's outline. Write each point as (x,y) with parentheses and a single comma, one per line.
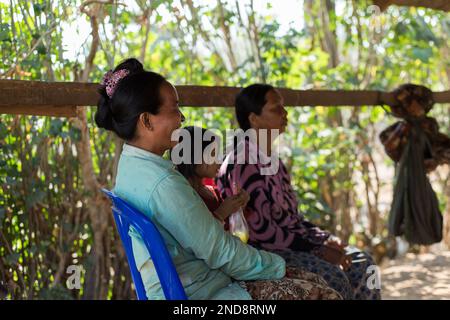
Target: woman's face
(169,117)
(273,114)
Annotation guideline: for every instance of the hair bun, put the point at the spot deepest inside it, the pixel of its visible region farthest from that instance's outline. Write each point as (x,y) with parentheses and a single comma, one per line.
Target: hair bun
(103,116)
(132,65)
(125,98)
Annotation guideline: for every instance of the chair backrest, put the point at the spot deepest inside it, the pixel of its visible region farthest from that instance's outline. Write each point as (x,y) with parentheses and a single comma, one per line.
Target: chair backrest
(125,215)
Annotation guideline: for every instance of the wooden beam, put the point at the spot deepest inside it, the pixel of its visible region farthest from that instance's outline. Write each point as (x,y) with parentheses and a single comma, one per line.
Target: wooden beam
(335,97)
(51,111)
(61,98)
(203,96)
(41,93)
(441,97)
(224,97)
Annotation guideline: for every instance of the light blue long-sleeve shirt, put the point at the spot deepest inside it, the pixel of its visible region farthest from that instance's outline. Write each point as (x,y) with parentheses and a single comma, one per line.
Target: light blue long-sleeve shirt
(206,257)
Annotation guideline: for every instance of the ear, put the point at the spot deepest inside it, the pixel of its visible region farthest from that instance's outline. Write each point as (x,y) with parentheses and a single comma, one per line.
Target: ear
(253,118)
(145,120)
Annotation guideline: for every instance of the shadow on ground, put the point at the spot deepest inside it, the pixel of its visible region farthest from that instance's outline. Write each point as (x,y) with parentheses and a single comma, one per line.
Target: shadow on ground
(424,276)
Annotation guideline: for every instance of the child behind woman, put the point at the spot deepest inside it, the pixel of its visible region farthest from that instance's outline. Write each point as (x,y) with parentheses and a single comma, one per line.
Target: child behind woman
(297,282)
(197,173)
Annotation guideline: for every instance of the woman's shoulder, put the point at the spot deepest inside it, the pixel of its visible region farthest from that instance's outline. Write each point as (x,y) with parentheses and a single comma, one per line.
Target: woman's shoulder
(174,185)
(139,178)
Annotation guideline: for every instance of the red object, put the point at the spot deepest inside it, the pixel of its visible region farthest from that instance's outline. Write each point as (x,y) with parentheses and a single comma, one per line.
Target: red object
(214,200)
(209,182)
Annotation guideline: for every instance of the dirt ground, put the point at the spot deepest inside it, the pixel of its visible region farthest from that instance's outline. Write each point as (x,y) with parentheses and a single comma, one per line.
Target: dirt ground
(422,276)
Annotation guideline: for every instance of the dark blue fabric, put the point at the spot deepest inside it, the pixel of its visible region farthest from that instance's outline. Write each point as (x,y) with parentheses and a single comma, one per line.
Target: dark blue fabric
(351,284)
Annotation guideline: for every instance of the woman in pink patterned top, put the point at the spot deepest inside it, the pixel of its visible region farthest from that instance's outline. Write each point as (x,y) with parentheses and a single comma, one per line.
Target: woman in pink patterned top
(272,212)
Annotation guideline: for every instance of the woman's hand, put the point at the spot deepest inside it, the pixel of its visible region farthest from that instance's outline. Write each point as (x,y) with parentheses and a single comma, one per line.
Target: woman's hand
(244,196)
(232,204)
(336,243)
(331,255)
(335,254)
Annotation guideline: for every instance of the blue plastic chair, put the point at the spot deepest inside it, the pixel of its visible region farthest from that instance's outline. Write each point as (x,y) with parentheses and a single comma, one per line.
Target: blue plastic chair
(125,215)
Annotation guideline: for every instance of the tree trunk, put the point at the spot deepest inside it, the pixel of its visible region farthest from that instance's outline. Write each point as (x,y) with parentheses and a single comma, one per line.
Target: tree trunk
(97,280)
(330,43)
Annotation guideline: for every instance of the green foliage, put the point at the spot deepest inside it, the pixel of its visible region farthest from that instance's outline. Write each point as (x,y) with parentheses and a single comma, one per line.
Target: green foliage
(57,292)
(331,150)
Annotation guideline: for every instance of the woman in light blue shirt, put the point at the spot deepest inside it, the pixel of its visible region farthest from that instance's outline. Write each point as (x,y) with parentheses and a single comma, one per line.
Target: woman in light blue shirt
(141,107)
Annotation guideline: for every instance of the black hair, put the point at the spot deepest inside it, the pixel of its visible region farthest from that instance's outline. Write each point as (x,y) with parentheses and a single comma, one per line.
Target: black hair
(136,93)
(250,99)
(188,169)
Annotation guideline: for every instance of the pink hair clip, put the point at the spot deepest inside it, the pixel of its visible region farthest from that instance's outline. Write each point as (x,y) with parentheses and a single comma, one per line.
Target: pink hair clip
(111,79)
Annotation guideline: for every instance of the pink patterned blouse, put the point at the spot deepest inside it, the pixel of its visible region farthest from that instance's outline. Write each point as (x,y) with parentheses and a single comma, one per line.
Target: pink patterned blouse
(272,212)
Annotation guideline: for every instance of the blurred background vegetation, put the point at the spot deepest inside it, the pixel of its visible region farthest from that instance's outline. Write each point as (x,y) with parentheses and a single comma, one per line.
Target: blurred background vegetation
(51,212)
